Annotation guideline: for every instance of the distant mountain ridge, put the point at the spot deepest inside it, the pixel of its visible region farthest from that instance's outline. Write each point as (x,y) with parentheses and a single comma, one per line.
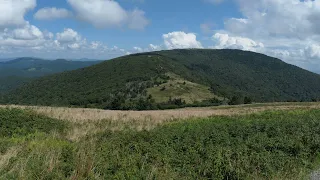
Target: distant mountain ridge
(149,80)
(16,72)
(34,67)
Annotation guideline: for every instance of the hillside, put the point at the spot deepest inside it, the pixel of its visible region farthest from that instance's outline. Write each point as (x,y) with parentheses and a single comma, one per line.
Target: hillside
(132,82)
(16,72)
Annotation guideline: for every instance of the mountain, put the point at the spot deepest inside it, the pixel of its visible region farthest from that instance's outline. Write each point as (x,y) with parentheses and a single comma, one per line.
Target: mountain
(15,72)
(33,67)
(176,77)
(6,59)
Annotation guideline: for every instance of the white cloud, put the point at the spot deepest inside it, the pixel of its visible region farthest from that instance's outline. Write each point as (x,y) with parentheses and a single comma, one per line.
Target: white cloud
(68,35)
(51,13)
(48,34)
(138,49)
(100,13)
(281,18)
(28,32)
(224,41)
(181,40)
(312,51)
(96,45)
(26,36)
(287,29)
(137,20)
(13,11)
(74,46)
(108,13)
(153,47)
(31,41)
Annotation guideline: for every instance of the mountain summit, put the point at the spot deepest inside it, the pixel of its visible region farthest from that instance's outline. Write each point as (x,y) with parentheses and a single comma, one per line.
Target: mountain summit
(190,76)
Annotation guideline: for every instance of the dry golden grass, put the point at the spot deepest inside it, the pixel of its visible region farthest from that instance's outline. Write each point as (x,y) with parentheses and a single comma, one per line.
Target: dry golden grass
(84,115)
(92,121)
(5,158)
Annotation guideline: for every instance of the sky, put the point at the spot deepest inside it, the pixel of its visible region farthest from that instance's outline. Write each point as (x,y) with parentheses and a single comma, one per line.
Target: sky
(104,29)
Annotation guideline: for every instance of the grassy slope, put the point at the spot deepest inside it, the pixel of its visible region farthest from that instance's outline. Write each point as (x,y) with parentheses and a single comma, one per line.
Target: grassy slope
(269,145)
(177,87)
(228,72)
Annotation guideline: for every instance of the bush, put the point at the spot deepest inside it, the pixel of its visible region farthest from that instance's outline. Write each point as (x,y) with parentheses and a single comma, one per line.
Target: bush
(22,122)
(247,100)
(247,147)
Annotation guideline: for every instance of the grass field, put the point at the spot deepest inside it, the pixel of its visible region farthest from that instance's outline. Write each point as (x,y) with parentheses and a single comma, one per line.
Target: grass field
(259,141)
(176,87)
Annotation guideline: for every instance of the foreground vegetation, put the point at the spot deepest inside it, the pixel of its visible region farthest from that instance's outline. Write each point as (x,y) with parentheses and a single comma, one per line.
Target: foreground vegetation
(141,82)
(268,145)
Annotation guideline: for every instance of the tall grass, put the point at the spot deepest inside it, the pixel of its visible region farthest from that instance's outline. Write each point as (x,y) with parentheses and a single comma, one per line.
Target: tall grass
(84,115)
(267,145)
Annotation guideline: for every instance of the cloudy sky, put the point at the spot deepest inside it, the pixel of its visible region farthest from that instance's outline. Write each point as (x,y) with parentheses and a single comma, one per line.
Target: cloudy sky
(102,29)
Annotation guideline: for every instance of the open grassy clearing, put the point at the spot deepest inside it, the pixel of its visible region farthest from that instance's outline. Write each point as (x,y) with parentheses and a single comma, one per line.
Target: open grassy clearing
(81,114)
(274,144)
(177,87)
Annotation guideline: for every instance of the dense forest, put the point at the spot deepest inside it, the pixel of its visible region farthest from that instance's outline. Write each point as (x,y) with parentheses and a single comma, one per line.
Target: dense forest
(234,76)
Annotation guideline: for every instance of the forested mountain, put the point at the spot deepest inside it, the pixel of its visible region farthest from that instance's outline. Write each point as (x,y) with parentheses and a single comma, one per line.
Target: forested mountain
(137,81)
(33,67)
(15,72)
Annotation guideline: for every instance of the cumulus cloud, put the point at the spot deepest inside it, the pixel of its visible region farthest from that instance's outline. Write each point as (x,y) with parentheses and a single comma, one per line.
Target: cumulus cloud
(138,49)
(27,36)
(68,35)
(30,40)
(287,29)
(51,13)
(181,40)
(13,11)
(224,41)
(28,32)
(153,47)
(312,51)
(284,18)
(107,13)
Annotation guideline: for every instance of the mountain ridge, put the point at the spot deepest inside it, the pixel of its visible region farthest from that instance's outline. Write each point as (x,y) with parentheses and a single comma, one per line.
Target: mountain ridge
(123,83)
(16,72)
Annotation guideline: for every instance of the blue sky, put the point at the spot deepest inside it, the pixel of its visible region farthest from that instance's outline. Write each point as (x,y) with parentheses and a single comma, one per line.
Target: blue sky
(163,19)
(103,29)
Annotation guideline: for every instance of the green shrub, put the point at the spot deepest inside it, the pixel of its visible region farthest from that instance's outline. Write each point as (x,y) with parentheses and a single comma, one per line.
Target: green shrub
(265,146)
(269,145)
(24,122)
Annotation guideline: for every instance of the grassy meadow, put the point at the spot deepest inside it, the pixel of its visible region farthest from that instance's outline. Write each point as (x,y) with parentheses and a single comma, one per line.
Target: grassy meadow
(272,141)
(177,87)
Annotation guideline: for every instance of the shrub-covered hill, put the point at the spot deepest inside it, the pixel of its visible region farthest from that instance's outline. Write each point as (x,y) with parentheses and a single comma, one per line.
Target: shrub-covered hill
(125,82)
